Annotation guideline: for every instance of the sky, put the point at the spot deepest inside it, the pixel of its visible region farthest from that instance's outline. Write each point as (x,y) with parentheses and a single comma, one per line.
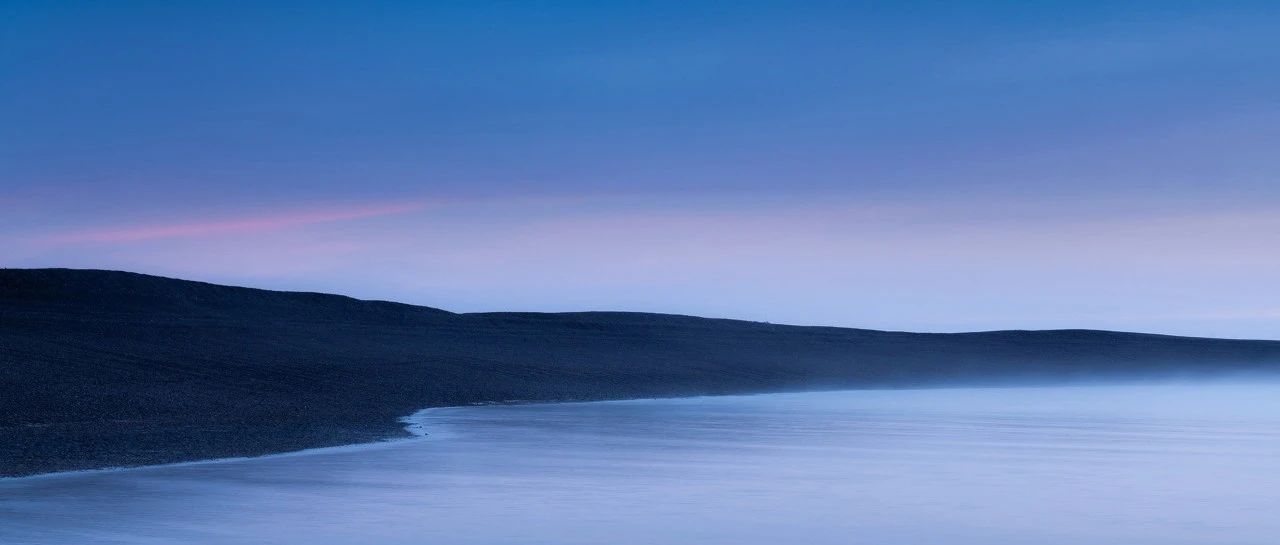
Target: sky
(905,165)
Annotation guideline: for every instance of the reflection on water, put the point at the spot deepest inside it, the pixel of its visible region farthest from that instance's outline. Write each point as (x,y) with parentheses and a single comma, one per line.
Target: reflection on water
(1099,465)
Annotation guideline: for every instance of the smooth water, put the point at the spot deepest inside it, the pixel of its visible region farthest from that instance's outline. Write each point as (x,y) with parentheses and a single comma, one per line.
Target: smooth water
(1098,465)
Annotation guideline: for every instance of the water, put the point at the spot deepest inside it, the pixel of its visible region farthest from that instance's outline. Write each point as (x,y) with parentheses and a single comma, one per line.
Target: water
(1100,465)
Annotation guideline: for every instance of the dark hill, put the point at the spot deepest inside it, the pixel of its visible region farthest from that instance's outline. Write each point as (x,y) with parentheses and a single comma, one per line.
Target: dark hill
(102,368)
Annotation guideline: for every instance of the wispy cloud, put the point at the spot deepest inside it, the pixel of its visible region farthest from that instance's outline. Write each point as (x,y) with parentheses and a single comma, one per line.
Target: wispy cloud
(237,225)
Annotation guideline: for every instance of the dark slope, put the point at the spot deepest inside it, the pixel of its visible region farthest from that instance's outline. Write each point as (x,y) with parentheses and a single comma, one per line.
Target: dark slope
(101,368)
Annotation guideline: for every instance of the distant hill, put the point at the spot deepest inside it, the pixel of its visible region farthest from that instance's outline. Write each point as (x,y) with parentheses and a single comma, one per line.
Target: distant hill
(105,368)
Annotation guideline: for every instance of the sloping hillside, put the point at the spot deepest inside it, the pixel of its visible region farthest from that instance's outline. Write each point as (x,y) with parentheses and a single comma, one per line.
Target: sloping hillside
(103,368)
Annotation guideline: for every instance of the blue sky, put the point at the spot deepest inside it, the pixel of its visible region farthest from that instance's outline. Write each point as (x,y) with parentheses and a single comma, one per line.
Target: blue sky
(931,166)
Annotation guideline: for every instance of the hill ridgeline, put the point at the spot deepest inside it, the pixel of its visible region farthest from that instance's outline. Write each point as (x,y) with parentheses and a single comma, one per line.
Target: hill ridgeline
(105,368)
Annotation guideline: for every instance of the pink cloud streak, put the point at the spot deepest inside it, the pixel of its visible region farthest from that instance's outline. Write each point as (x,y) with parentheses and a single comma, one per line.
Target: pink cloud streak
(233,226)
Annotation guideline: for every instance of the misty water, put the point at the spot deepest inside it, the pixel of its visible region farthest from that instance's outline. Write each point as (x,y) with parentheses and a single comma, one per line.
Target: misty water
(1100,465)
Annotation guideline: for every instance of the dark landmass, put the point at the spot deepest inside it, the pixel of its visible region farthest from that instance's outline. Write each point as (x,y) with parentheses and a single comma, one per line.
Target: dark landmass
(103,369)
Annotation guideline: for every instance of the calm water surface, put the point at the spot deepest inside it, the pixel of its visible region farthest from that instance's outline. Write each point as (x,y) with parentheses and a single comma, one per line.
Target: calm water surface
(1097,465)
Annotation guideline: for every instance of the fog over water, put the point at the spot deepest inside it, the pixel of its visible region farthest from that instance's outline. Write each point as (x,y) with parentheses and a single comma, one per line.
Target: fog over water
(1158,464)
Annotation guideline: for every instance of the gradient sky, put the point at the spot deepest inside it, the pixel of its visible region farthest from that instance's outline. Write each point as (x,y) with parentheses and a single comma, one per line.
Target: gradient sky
(934,166)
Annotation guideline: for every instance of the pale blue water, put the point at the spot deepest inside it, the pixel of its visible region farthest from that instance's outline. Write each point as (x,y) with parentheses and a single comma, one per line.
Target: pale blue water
(1103,465)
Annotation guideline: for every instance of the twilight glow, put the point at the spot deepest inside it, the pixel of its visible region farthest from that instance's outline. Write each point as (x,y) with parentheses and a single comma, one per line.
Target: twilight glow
(923,165)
